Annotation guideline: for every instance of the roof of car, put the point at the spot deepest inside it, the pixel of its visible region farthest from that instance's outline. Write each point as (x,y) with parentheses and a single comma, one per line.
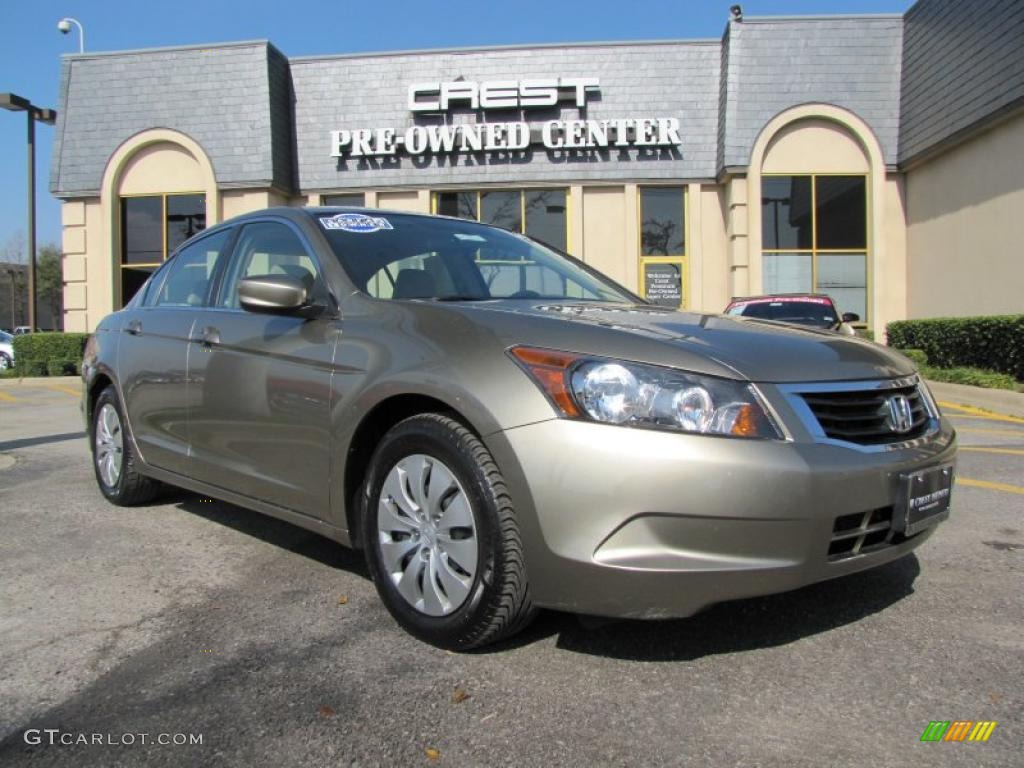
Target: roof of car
(798,295)
(816,298)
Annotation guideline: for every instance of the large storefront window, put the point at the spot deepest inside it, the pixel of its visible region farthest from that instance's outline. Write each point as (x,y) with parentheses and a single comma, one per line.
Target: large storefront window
(352,199)
(152,226)
(663,245)
(539,213)
(814,236)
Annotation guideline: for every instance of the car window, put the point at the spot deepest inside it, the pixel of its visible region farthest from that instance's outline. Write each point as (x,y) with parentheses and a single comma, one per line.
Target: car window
(415,257)
(789,311)
(189,274)
(270,248)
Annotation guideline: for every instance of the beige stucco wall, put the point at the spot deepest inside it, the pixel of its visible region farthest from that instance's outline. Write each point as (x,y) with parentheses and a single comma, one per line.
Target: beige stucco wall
(604,234)
(84,300)
(161,168)
(965,213)
(710,286)
(235,202)
(416,201)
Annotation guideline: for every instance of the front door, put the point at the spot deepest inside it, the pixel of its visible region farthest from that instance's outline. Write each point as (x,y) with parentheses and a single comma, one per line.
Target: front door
(260,411)
(153,352)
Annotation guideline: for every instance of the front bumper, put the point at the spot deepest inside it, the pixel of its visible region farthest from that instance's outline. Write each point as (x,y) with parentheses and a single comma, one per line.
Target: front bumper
(649,524)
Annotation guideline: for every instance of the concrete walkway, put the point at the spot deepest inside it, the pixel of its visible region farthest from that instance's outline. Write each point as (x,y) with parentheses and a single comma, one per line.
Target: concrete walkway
(996,400)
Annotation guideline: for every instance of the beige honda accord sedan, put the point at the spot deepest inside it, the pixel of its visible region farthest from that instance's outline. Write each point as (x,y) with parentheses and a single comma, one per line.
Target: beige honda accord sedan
(501,428)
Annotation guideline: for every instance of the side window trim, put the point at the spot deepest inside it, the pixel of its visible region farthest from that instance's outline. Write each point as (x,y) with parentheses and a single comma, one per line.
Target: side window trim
(155,283)
(228,272)
(168,269)
(227,258)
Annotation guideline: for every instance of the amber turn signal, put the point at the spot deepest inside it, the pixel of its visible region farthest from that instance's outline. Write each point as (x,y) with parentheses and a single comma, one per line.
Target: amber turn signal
(550,369)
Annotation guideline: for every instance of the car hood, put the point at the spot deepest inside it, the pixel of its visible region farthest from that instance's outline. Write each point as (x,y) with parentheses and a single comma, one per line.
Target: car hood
(758,350)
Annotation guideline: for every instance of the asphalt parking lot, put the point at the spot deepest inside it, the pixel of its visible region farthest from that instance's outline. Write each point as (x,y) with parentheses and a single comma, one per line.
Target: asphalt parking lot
(196,617)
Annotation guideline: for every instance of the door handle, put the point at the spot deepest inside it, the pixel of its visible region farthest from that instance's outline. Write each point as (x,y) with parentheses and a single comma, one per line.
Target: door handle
(134,327)
(208,336)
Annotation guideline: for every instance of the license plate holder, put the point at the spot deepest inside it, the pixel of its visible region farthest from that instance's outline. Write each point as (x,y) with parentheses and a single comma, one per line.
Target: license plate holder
(924,499)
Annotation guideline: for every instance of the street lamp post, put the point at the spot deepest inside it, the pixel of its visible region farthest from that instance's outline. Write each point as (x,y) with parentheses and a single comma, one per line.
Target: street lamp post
(16,103)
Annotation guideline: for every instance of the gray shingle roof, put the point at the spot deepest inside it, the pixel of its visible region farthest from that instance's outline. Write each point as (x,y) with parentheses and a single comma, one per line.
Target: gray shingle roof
(221,96)
(962,63)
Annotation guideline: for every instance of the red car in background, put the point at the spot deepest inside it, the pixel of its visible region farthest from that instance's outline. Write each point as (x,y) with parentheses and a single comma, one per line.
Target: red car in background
(815,310)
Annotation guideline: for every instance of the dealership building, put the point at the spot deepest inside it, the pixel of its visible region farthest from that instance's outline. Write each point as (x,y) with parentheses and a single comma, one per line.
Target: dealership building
(879,158)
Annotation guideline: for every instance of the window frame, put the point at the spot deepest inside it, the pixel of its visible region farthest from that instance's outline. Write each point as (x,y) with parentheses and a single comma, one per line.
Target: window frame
(814,250)
(165,256)
(682,260)
(227,270)
(522,192)
(324,195)
(155,283)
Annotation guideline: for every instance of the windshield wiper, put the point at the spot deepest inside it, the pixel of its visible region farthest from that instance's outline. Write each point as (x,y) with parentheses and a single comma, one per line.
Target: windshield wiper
(460,297)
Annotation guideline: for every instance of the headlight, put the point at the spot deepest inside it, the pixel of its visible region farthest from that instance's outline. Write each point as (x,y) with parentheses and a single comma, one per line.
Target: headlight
(639,395)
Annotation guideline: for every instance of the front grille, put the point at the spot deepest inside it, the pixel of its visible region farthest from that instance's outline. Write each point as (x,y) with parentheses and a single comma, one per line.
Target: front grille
(862,415)
(862,533)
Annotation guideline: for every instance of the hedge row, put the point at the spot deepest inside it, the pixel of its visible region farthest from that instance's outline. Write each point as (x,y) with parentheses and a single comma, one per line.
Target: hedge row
(49,354)
(976,377)
(995,343)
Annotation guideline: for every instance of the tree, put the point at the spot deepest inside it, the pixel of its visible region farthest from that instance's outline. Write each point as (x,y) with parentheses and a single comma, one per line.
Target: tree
(14,250)
(50,281)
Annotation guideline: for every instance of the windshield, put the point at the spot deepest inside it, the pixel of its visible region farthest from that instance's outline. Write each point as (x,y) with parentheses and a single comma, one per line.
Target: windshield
(818,313)
(6,337)
(398,256)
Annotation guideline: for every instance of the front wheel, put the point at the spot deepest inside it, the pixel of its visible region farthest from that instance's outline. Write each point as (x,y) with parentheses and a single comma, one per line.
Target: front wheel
(5,361)
(442,540)
(113,455)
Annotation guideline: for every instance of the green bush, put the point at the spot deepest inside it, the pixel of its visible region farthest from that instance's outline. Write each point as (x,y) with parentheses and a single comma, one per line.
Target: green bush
(994,343)
(917,355)
(976,377)
(62,367)
(48,354)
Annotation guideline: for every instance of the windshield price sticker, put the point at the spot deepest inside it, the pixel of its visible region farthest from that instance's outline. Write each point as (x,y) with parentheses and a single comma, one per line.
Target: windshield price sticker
(355,222)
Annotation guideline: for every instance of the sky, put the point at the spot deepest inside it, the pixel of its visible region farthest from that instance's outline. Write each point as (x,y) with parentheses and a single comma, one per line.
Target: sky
(30,55)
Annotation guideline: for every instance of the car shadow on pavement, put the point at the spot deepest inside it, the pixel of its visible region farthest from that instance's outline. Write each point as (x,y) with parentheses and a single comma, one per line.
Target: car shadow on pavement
(739,625)
(268,529)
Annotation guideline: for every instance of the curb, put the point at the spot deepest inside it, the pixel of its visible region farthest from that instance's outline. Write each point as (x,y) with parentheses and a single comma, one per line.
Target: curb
(995,401)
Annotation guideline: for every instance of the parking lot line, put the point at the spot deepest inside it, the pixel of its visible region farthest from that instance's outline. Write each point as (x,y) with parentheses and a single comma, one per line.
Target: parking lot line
(66,390)
(969,411)
(979,449)
(982,430)
(4,397)
(990,485)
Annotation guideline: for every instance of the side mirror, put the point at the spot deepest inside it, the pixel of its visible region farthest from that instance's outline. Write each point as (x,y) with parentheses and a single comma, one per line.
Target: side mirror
(274,294)
(851,317)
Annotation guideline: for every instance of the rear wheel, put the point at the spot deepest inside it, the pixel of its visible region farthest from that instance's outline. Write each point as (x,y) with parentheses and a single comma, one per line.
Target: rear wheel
(114,458)
(442,541)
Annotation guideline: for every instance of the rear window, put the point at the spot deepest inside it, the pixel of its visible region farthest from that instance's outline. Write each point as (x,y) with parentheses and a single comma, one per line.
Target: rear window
(816,313)
(398,256)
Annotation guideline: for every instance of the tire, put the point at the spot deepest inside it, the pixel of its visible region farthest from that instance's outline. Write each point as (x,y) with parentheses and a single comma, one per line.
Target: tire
(5,362)
(449,597)
(113,455)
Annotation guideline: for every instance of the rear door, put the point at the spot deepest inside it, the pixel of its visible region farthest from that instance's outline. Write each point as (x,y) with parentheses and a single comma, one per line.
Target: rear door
(153,351)
(260,414)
